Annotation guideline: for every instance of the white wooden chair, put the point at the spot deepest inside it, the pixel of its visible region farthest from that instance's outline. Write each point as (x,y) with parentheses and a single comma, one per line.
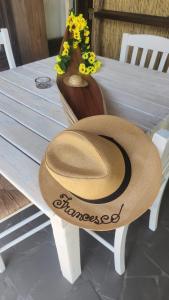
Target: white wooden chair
(145,42)
(16,228)
(4,40)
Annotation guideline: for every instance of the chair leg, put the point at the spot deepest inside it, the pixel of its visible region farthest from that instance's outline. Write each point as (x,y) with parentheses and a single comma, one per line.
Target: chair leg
(119,249)
(2,265)
(68,248)
(155,208)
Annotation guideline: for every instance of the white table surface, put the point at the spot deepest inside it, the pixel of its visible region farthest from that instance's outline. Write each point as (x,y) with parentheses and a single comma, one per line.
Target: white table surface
(31,117)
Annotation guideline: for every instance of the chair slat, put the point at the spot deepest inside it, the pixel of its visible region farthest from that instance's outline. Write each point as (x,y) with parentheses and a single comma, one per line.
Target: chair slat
(4,39)
(143,58)
(124,48)
(162,61)
(134,55)
(146,42)
(153,59)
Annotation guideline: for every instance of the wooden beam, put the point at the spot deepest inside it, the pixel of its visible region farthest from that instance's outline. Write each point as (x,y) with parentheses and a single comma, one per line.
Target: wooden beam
(132,18)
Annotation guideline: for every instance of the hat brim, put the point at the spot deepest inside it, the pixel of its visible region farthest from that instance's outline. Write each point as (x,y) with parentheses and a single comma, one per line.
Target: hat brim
(139,195)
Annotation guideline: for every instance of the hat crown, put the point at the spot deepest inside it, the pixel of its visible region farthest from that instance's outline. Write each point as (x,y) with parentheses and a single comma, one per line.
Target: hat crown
(76,154)
(85,163)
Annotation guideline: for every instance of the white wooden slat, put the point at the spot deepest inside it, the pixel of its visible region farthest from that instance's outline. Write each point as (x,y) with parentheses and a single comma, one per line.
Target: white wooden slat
(133,71)
(34,102)
(138,118)
(100,239)
(5,40)
(23,138)
(124,48)
(153,60)
(49,61)
(143,58)
(50,94)
(23,173)
(134,55)
(32,70)
(148,90)
(24,236)
(20,224)
(162,62)
(132,77)
(145,99)
(146,102)
(36,70)
(115,94)
(42,69)
(30,119)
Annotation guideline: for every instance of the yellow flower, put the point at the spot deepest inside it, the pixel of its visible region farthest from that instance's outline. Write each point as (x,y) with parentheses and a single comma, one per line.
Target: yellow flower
(70,20)
(87,40)
(90,68)
(91,60)
(66,45)
(75,45)
(76,22)
(93,70)
(59,69)
(76,35)
(86,33)
(65,52)
(87,71)
(92,54)
(58,58)
(82,68)
(80,22)
(85,55)
(98,64)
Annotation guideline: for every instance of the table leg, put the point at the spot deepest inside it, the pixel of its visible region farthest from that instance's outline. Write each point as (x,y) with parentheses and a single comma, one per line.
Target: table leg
(68,248)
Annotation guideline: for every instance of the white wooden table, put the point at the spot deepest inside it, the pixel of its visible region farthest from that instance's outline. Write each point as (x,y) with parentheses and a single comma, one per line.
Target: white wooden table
(31,117)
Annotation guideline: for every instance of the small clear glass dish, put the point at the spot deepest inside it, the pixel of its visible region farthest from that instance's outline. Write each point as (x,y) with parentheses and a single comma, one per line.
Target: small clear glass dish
(43,82)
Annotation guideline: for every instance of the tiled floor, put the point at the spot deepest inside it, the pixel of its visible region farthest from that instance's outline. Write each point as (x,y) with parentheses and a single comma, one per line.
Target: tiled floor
(33,271)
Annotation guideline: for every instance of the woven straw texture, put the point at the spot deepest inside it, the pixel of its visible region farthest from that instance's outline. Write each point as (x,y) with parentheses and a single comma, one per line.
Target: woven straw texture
(107,34)
(11,200)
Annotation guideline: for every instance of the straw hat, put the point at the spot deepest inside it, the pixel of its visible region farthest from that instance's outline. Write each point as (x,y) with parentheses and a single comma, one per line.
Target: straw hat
(100,174)
(75,81)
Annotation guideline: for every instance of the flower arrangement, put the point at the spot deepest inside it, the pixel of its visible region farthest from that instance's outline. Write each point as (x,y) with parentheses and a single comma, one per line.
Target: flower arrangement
(79,30)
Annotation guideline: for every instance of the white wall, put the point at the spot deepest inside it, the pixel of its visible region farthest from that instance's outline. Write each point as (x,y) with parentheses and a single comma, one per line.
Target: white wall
(55,14)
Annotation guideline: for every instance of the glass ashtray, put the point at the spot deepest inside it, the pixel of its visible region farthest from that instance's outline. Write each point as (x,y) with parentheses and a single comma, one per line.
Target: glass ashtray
(43,82)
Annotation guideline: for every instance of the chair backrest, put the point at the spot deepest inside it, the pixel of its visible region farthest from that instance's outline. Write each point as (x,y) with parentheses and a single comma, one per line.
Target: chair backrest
(145,42)
(4,39)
